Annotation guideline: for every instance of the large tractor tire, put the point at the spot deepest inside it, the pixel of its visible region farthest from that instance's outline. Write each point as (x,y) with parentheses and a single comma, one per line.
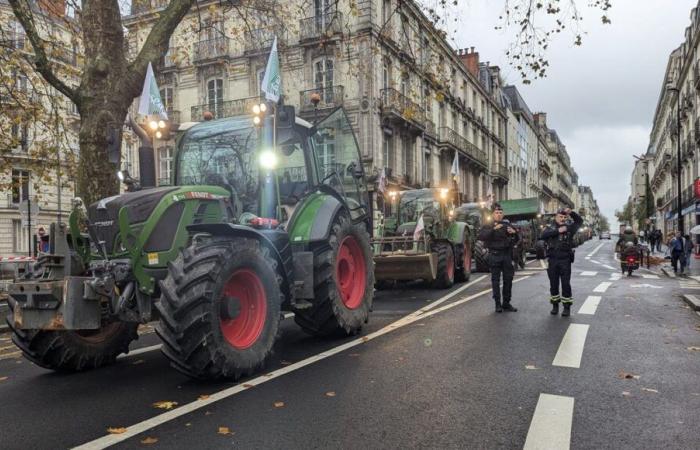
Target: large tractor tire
(343,282)
(445,265)
(481,257)
(73,351)
(464,261)
(220,308)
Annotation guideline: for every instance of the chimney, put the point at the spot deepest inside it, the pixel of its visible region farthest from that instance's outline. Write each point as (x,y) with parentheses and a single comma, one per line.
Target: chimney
(541,118)
(470,59)
(55,8)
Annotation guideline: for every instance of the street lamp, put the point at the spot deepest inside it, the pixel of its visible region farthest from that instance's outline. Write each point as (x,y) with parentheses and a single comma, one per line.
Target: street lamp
(679,206)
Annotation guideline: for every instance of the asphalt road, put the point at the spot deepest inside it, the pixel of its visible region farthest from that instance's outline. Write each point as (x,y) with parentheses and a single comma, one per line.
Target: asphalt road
(433,369)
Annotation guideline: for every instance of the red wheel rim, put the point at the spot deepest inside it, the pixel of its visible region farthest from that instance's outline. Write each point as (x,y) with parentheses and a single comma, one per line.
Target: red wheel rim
(350,272)
(245,288)
(450,264)
(467,264)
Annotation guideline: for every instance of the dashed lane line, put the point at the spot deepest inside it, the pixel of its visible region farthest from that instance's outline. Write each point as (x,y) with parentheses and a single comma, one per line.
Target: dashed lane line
(596,262)
(550,428)
(590,305)
(571,347)
(595,250)
(650,277)
(138,428)
(609,267)
(588,274)
(602,287)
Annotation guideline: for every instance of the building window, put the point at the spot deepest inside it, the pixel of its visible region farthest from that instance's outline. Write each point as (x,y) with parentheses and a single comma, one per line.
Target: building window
(20,237)
(408,158)
(20,135)
(386,11)
(166,95)
(323,78)
(165,162)
(215,96)
(20,185)
(388,151)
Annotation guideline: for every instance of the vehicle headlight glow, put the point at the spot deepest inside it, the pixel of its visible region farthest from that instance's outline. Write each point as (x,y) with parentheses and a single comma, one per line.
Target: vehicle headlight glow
(268,159)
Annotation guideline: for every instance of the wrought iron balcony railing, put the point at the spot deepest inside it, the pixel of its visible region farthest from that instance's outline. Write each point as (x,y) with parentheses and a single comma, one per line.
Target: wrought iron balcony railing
(396,102)
(260,40)
(228,108)
(321,26)
(211,49)
(329,97)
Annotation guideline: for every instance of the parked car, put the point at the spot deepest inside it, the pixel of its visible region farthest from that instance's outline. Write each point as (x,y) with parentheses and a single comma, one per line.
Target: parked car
(604,235)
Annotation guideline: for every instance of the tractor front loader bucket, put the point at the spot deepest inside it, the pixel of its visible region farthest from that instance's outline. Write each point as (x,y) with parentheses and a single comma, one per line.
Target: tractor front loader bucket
(405,266)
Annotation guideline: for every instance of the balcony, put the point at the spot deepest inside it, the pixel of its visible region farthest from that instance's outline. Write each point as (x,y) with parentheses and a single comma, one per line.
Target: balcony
(547,191)
(320,27)
(168,61)
(210,49)
(447,135)
(330,97)
(544,167)
(479,156)
(228,108)
(500,171)
(564,198)
(430,129)
(260,40)
(399,108)
(145,6)
(696,76)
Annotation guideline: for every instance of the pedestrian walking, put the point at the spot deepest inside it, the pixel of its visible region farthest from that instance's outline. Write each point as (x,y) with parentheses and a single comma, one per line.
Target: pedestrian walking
(500,238)
(677,254)
(687,253)
(559,236)
(652,241)
(659,240)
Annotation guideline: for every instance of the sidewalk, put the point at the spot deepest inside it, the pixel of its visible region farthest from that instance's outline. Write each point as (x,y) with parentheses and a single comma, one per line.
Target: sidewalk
(693,269)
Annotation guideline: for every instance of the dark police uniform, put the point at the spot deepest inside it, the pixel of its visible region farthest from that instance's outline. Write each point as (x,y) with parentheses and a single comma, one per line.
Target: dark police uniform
(560,255)
(500,245)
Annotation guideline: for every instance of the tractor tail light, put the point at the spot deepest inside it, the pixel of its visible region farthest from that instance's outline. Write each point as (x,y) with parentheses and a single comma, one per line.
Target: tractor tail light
(263,222)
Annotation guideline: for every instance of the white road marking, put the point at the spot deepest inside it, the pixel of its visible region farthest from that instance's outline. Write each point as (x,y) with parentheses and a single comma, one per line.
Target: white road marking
(590,305)
(571,347)
(531,261)
(688,284)
(609,267)
(645,285)
(588,274)
(615,257)
(695,277)
(595,250)
(587,257)
(650,277)
(615,276)
(288,315)
(550,428)
(602,287)
(596,262)
(138,428)
(542,264)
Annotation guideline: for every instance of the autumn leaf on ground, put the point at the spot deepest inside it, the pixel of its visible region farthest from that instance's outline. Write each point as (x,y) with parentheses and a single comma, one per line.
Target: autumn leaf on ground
(694,349)
(203,397)
(650,390)
(225,430)
(626,393)
(149,441)
(165,405)
(116,430)
(627,376)
(530,367)
(285,363)
(278,404)
(3,378)
(248,385)
(330,394)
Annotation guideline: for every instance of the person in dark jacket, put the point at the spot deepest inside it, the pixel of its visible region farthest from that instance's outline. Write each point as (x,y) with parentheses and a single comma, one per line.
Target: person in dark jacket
(500,238)
(677,246)
(559,237)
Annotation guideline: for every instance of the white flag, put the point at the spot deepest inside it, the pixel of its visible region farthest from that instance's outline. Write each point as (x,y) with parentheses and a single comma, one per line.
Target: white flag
(150,102)
(420,226)
(489,196)
(381,186)
(455,166)
(272,81)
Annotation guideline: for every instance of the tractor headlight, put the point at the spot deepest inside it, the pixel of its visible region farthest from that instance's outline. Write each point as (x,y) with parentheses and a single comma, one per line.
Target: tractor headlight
(268,159)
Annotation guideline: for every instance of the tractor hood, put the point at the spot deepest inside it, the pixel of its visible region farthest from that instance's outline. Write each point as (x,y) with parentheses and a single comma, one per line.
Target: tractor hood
(104,214)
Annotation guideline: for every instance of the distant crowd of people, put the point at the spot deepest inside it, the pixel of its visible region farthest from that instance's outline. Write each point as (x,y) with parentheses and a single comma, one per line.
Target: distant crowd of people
(679,247)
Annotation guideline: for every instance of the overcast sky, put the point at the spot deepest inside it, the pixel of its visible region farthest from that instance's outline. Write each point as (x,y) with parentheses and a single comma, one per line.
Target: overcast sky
(599,97)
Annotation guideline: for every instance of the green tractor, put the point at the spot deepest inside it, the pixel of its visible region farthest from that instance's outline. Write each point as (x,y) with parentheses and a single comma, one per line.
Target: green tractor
(248,230)
(421,240)
(476,215)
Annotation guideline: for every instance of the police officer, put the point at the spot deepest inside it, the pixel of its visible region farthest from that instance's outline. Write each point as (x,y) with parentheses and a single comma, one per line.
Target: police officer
(559,237)
(500,238)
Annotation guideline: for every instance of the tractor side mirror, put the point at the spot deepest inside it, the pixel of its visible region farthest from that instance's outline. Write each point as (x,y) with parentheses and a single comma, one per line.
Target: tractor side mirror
(355,170)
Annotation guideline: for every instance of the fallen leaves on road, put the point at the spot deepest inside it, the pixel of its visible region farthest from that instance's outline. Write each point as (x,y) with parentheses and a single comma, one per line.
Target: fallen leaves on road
(225,430)
(203,397)
(165,405)
(149,441)
(694,349)
(246,385)
(627,376)
(654,391)
(330,394)
(278,404)
(116,430)
(3,378)
(285,363)
(531,367)
(626,393)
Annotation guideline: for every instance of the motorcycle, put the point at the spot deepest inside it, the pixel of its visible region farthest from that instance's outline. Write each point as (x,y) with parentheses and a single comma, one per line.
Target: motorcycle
(629,258)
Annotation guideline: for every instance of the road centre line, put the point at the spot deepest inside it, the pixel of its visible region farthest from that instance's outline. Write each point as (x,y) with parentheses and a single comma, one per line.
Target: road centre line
(595,250)
(596,262)
(609,267)
(571,347)
(602,287)
(588,274)
(590,305)
(138,428)
(551,424)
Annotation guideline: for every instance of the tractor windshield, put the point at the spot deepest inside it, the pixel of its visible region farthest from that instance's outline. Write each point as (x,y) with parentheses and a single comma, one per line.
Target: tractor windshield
(415,203)
(221,153)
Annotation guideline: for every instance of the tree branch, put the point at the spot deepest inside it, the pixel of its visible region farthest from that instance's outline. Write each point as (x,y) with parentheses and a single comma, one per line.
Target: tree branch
(156,45)
(25,16)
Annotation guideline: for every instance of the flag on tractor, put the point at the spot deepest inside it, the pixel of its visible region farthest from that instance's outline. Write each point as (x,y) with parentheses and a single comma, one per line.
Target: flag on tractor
(381,185)
(489,196)
(420,226)
(455,167)
(150,103)
(272,80)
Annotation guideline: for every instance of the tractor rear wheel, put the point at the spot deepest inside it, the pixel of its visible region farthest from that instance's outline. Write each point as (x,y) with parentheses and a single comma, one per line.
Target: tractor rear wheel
(220,308)
(464,258)
(343,282)
(73,351)
(481,257)
(445,265)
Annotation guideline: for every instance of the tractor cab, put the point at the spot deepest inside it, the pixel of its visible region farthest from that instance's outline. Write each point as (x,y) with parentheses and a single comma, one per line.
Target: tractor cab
(407,207)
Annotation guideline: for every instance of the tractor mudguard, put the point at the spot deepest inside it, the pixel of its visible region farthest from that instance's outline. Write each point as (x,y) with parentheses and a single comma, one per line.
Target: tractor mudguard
(312,220)
(455,233)
(271,239)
